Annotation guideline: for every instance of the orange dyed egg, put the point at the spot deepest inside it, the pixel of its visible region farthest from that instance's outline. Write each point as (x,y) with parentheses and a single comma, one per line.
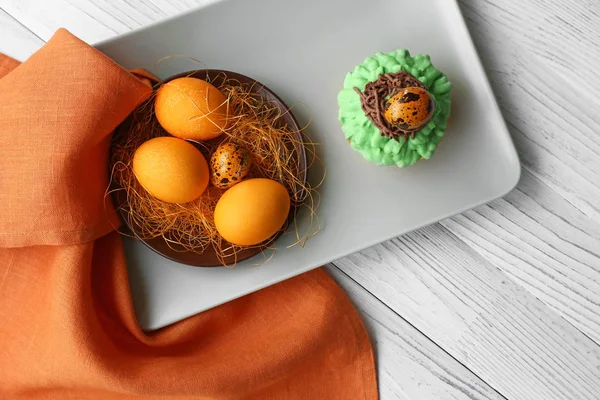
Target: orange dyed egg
(229,164)
(410,109)
(191,108)
(252,211)
(171,169)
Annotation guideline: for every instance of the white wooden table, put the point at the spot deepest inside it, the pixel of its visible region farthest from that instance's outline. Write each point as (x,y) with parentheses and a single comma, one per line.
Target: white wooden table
(504,300)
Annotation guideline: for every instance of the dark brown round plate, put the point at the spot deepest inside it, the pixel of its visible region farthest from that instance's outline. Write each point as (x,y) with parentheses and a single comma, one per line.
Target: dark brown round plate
(209,258)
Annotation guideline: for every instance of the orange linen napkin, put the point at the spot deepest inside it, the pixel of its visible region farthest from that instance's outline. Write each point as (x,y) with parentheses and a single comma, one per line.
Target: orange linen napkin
(67,325)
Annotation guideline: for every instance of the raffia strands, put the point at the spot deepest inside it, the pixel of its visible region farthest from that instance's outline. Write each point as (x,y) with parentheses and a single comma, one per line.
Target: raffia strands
(255,124)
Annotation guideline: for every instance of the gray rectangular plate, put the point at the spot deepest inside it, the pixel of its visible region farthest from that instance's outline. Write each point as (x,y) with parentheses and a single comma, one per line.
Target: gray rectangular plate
(302,49)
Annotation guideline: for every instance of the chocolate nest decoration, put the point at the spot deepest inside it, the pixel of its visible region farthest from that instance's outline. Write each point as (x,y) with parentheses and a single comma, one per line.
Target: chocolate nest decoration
(375,95)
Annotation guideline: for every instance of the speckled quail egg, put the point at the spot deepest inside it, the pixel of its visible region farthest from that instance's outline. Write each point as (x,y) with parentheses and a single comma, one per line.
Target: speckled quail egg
(410,109)
(229,164)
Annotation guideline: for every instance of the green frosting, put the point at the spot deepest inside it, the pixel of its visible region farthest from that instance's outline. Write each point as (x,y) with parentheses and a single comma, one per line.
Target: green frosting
(365,138)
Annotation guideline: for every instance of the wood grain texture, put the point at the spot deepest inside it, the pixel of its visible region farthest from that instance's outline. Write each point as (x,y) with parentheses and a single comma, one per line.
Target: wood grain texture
(563,36)
(96,20)
(543,243)
(546,234)
(554,124)
(409,365)
(16,41)
(470,308)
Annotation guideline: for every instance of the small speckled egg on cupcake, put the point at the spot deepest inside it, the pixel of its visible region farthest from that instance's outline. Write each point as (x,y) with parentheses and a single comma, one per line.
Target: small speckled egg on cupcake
(394,108)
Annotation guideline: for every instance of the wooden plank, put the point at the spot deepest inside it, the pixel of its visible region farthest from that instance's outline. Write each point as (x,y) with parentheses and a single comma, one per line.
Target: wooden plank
(553,122)
(93,21)
(564,36)
(409,365)
(545,244)
(471,309)
(16,41)
(546,234)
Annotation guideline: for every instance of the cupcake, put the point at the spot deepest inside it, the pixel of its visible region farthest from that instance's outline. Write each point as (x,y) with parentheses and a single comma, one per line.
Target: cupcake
(394,108)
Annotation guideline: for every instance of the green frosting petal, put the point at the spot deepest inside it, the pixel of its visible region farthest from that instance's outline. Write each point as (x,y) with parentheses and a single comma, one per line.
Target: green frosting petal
(365,138)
